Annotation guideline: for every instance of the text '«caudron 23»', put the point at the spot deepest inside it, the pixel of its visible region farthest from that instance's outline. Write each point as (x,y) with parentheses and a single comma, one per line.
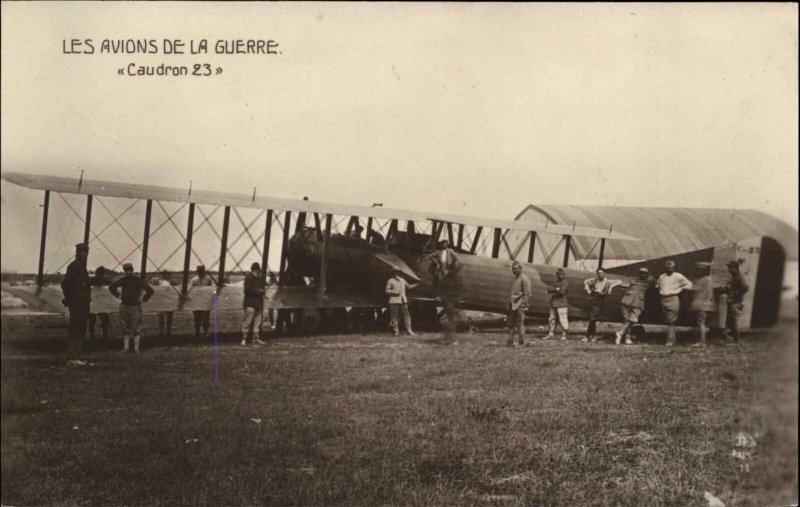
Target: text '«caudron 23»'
(171,46)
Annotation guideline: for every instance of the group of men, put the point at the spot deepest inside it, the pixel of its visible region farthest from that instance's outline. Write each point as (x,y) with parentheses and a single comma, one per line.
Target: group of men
(133,290)
(76,288)
(669,284)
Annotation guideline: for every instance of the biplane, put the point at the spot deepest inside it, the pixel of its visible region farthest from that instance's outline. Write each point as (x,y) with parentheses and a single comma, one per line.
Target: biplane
(334,260)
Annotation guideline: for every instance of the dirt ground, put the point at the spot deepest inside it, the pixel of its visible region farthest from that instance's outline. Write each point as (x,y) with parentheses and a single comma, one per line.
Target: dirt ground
(373,419)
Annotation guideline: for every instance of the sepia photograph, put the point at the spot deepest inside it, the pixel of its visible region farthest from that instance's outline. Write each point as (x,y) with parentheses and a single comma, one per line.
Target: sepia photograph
(367,253)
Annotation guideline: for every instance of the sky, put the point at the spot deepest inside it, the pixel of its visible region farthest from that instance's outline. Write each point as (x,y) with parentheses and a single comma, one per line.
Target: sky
(477,109)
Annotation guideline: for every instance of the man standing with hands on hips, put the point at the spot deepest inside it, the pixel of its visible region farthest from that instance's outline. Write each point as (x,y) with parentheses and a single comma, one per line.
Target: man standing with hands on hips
(597,288)
(670,284)
(130,307)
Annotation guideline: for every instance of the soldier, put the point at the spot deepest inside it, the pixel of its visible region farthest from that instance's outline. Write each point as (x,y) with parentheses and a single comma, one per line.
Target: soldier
(130,307)
(518,303)
(99,280)
(165,317)
(254,290)
(445,262)
(702,300)
(444,267)
(202,318)
(632,304)
(398,301)
(597,288)
(670,284)
(558,305)
(76,288)
(735,290)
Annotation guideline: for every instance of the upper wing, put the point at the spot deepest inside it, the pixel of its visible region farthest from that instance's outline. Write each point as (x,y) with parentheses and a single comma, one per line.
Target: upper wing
(157,193)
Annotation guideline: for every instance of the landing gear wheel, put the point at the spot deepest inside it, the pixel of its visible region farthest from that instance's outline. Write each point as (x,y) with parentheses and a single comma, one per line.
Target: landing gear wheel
(360,319)
(336,320)
(424,316)
(309,321)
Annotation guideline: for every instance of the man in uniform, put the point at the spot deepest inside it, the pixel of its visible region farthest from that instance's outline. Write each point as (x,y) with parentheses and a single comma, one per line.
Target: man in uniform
(202,318)
(76,288)
(597,288)
(398,301)
(558,305)
(518,303)
(165,317)
(444,267)
(130,307)
(99,280)
(254,290)
(702,300)
(670,284)
(632,304)
(735,290)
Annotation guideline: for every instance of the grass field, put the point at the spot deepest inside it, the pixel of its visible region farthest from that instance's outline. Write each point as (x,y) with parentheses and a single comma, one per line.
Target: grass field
(368,420)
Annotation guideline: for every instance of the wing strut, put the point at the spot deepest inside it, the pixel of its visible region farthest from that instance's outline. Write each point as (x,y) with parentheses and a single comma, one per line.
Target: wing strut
(148,211)
(223,248)
(567,244)
(187,256)
(265,250)
(287,222)
(326,240)
(474,247)
(496,243)
(602,251)
(40,274)
(88,221)
(531,247)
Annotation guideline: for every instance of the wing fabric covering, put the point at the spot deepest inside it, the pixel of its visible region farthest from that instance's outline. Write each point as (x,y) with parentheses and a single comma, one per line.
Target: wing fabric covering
(166,299)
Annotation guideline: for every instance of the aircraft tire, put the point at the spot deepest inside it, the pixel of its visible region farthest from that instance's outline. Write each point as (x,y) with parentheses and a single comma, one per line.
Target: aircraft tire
(309,321)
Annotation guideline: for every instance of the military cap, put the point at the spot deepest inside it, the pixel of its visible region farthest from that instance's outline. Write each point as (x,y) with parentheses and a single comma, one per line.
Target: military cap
(82,247)
(643,270)
(702,265)
(732,264)
(669,264)
(255,265)
(127,266)
(560,270)
(200,267)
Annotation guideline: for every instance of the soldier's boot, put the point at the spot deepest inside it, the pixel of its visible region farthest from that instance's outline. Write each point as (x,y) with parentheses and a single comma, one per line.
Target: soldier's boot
(410,331)
(136,343)
(395,329)
(257,340)
(522,336)
(737,338)
(244,340)
(126,340)
(670,336)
